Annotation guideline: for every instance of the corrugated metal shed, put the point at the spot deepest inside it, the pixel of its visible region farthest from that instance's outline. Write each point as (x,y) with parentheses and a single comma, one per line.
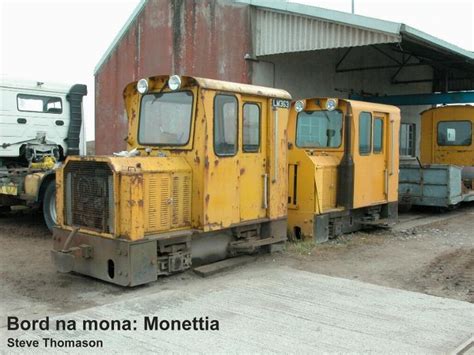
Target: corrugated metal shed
(279,32)
(364,23)
(286,26)
(224,39)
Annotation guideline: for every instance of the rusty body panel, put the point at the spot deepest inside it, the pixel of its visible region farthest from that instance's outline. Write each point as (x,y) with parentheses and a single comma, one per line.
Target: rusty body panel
(205,38)
(334,188)
(191,202)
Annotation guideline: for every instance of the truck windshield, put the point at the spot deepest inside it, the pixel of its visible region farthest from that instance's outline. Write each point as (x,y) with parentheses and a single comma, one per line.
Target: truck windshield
(165,118)
(319,129)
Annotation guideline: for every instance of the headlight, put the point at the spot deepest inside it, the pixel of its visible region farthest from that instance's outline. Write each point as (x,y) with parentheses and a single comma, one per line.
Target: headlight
(331,104)
(299,105)
(174,82)
(142,86)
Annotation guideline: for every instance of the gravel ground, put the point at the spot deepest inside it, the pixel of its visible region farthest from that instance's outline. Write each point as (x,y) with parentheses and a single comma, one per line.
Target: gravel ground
(436,259)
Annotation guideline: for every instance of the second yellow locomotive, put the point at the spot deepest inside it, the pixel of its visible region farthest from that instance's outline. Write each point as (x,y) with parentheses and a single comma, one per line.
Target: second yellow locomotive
(342,166)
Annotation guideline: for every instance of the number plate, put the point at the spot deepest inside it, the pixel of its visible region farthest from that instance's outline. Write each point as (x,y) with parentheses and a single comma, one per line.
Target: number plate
(281,103)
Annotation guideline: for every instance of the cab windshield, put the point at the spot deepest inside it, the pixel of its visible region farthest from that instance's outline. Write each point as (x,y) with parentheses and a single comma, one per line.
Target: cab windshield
(165,118)
(319,129)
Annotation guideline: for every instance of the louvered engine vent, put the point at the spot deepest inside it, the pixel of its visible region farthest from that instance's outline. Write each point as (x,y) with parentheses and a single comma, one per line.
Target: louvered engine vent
(169,201)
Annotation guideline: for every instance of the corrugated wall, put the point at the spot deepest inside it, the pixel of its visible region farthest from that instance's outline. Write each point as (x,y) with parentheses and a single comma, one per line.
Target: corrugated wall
(204,38)
(278,32)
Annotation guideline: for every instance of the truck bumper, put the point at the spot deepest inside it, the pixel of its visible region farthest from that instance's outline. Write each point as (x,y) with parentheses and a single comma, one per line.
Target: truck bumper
(118,261)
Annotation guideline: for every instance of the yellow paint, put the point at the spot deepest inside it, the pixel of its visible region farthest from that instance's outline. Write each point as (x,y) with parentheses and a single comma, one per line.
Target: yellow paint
(430,151)
(47,163)
(9,189)
(375,175)
(32,184)
(170,188)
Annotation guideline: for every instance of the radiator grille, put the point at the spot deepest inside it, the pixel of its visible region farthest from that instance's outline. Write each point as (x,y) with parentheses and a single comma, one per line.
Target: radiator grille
(88,195)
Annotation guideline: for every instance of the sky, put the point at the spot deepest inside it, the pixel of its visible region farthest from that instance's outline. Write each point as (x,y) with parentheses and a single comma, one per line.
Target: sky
(63,40)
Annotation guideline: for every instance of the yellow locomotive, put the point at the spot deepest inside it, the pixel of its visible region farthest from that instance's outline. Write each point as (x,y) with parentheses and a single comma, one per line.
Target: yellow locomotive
(447,135)
(444,175)
(342,166)
(214,169)
(204,178)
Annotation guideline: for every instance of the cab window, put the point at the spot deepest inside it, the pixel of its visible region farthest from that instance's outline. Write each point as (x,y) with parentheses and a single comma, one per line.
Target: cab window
(407,139)
(225,125)
(165,118)
(378,135)
(454,133)
(365,133)
(251,128)
(319,129)
(37,103)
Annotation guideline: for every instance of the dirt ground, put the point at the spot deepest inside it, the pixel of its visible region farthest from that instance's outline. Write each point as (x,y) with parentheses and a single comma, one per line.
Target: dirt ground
(437,259)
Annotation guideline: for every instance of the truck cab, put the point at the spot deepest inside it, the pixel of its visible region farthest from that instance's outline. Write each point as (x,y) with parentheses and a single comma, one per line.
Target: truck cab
(40,125)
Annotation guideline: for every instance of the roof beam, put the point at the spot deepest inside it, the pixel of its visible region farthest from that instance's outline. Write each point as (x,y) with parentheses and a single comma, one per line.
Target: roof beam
(419,99)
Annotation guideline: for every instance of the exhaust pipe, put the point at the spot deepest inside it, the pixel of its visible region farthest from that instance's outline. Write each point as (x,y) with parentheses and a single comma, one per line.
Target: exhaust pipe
(345,181)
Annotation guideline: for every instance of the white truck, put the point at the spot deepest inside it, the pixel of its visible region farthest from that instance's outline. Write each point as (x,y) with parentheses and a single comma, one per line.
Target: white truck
(40,125)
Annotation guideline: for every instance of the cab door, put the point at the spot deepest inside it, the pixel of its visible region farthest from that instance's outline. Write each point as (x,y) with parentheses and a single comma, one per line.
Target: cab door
(380,157)
(371,179)
(253,177)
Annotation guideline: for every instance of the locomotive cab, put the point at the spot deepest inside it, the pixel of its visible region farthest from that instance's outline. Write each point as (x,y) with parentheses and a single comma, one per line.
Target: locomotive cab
(342,166)
(447,135)
(204,178)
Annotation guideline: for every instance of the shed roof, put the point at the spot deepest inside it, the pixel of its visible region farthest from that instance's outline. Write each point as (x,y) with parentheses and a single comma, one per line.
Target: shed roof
(303,27)
(390,29)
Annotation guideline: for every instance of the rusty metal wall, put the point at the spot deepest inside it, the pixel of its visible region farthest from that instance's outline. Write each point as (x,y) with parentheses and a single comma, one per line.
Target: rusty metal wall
(278,32)
(206,38)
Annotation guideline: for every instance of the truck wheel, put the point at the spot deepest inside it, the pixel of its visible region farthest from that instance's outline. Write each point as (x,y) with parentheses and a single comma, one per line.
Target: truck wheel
(49,206)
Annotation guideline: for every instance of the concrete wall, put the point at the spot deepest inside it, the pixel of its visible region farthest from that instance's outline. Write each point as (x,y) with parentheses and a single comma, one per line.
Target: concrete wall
(310,74)
(205,38)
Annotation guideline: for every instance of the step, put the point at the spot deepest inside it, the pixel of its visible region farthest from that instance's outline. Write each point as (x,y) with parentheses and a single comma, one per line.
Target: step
(219,266)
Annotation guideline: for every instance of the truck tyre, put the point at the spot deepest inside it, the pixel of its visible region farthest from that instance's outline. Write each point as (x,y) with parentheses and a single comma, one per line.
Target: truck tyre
(49,205)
